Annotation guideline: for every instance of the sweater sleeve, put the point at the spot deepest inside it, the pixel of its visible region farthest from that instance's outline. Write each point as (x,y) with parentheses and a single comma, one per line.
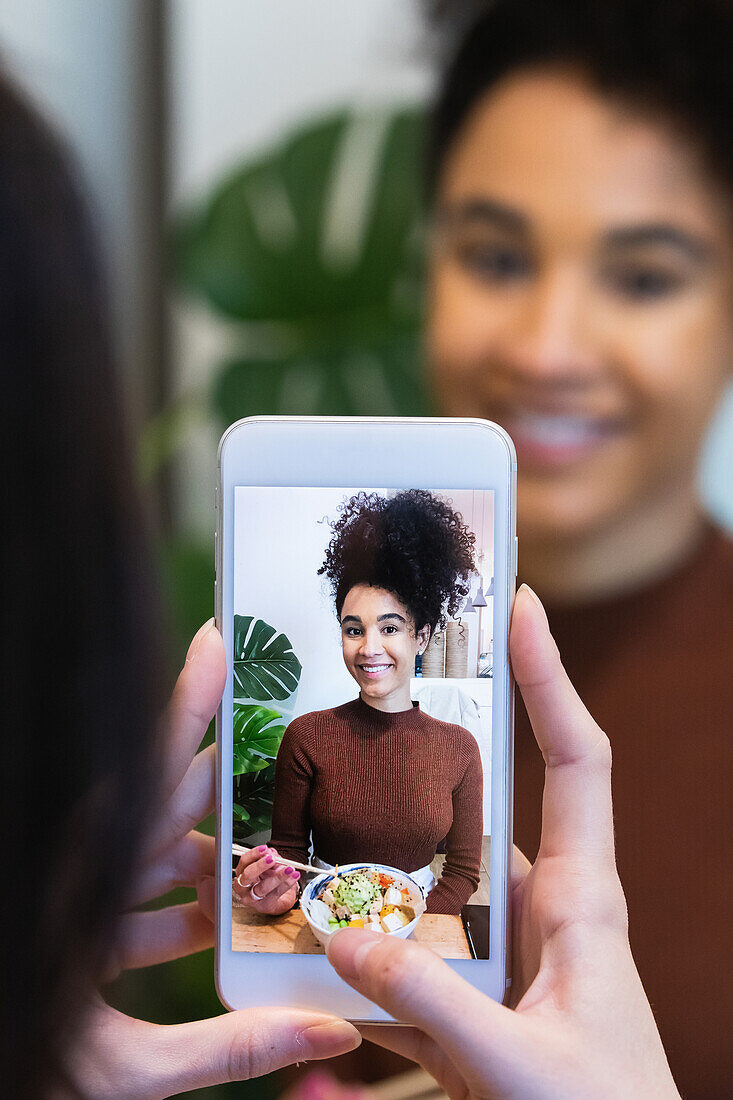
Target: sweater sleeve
(460,875)
(294,774)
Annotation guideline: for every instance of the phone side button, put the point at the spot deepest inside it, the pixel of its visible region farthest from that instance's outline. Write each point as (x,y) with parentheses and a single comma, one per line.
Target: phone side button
(516,554)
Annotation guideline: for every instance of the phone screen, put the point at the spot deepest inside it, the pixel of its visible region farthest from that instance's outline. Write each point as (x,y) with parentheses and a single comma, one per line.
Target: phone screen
(362,703)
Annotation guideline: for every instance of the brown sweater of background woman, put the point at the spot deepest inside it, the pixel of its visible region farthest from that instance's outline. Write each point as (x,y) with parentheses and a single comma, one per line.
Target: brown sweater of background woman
(383,788)
(655,669)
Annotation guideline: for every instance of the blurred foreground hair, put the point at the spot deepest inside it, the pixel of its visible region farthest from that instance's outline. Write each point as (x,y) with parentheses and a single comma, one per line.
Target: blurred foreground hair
(79,660)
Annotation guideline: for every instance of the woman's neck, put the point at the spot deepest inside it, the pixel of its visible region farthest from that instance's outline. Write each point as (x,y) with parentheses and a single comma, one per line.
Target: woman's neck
(636,551)
(391,704)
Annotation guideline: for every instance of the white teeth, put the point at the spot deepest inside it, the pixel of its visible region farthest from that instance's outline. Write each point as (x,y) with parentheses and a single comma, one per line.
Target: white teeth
(557,431)
(375,668)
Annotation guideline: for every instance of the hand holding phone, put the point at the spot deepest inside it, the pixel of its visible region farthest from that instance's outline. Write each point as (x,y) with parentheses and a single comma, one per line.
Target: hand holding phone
(115,1055)
(582,1025)
(364,569)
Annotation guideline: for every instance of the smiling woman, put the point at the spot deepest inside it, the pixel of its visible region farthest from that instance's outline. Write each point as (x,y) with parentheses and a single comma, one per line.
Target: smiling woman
(377,779)
(581,286)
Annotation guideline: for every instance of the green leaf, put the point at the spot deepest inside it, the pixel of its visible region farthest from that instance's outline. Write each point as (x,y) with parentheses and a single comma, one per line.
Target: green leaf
(254,792)
(251,720)
(265,666)
(239,812)
(256,739)
(323,224)
(377,377)
(316,249)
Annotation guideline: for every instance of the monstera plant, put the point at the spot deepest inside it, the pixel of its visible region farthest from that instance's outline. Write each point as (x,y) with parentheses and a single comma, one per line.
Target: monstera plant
(311,254)
(265,669)
(307,259)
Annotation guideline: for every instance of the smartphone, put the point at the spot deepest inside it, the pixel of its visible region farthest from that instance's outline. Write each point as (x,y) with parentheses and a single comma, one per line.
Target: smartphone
(365,572)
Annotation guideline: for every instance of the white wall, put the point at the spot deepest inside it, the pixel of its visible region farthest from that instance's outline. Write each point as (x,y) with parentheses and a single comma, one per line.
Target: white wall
(244,71)
(278,548)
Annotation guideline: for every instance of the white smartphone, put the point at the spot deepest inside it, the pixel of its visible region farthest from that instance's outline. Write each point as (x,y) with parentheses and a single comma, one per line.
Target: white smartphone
(365,572)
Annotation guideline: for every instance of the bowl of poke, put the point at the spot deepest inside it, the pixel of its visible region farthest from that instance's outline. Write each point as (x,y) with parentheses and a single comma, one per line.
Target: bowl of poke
(363,895)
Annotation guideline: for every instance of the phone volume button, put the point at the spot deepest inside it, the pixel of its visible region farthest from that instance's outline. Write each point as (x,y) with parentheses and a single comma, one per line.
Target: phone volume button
(516,555)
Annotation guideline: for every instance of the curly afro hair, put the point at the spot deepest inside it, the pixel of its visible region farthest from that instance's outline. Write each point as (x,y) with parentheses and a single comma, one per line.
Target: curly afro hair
(412,544)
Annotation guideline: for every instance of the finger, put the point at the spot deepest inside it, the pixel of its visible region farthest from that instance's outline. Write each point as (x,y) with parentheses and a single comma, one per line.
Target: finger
(192,801)
(520,867)
(183,864)
(251,856)
(411,1043)
(194,702)
(265,885)
(157,936)
(206,894)
(416,987)
(276,884)
(240,1045)
(576,810)
(253,873)
(288,883)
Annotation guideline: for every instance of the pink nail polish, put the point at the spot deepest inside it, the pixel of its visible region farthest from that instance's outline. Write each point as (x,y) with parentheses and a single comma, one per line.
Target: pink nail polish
(269,859)
(262,849)
(297,874)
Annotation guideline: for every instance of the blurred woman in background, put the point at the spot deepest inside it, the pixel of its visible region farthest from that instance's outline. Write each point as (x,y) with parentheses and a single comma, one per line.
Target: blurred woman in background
(580,295)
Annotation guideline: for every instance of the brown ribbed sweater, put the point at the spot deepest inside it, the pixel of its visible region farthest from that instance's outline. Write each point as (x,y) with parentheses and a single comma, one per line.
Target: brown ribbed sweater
(655,669)
(383,788)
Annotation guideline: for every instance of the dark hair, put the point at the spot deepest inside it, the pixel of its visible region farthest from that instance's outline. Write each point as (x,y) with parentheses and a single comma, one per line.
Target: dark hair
(80,670)
(668,58)
(412,544)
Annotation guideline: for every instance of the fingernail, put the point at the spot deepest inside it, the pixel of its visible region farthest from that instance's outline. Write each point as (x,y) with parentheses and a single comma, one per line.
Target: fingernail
(262,849)
(270,859)
(289,870)
(531,592)
(347,951)
(196,642)
(328,1040)
(297,874)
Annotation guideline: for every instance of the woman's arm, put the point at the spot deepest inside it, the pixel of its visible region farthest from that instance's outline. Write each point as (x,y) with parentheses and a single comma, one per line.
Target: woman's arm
(460,875)
(294,775)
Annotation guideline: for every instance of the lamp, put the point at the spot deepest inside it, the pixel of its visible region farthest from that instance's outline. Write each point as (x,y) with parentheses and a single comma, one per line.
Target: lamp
(468,608)
(478,599)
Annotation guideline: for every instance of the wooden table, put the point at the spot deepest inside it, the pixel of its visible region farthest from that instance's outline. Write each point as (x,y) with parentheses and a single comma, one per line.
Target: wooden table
(290,934)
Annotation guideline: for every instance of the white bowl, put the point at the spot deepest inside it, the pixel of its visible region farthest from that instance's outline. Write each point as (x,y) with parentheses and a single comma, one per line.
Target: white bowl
(318,884)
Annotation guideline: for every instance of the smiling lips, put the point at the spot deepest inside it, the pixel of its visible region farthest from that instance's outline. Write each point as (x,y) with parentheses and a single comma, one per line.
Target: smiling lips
(554,439)
(374,671)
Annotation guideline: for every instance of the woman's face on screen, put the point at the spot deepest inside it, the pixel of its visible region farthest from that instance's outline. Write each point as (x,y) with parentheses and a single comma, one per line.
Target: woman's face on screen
(379,643)
(580,295)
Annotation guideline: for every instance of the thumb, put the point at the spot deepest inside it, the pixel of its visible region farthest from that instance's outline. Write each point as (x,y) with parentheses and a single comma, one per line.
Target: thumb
(240,1045)
(418,988)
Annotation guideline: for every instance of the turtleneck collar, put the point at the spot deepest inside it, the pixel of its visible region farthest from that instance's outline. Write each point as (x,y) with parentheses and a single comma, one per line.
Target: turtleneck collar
(383,719)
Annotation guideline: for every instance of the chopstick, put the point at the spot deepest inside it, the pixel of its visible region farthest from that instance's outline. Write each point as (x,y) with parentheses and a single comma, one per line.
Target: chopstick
(239,850)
